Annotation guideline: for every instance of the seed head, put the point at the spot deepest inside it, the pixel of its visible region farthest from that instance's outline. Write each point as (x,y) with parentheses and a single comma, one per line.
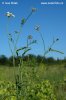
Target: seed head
(34,9)
(37,28)
(30,37)
(57,39)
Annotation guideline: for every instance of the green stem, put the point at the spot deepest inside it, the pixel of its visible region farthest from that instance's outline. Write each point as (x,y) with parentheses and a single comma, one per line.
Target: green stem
(47,51)
(43,42)
(21,59)
(21,29)
(8,37)
(28,16)
(10,46)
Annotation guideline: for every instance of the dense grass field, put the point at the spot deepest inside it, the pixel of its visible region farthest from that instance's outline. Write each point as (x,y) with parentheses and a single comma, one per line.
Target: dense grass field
(56,74)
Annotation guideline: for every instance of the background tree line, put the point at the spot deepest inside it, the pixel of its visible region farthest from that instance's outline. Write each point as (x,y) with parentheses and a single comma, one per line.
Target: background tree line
(31,60)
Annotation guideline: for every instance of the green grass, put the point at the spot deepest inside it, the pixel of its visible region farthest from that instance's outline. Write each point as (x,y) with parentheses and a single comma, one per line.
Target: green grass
(54,73)
(7,73)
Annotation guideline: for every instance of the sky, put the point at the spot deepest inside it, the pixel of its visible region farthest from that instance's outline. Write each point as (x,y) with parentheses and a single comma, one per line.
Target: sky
(50,18)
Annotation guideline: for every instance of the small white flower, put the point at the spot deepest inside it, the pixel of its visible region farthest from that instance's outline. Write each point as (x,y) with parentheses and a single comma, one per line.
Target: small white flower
(34,9)
(8,14)
(37,28)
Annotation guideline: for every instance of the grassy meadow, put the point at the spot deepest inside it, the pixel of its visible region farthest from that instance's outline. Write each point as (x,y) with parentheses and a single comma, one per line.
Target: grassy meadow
(56,74)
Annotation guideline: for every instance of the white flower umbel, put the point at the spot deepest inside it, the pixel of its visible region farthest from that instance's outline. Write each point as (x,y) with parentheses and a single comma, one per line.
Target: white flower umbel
(8,14)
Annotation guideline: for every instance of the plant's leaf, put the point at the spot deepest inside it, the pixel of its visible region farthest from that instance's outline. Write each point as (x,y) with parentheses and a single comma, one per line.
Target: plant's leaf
(16,32)
(10,37)
(17,53)
(11,40)
(56,51)
(49,49)
(34,41)
(57,39)
(23,21)
(21,49)
(26,51)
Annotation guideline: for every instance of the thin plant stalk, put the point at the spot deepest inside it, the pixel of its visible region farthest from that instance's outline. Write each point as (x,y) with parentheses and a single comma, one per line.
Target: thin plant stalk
(49,49)
(8,37)
(21,60)
(10,45)
(43,42)
(21,28)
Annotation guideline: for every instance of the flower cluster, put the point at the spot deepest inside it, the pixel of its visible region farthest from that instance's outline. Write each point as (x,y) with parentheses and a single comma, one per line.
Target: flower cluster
(9,14)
